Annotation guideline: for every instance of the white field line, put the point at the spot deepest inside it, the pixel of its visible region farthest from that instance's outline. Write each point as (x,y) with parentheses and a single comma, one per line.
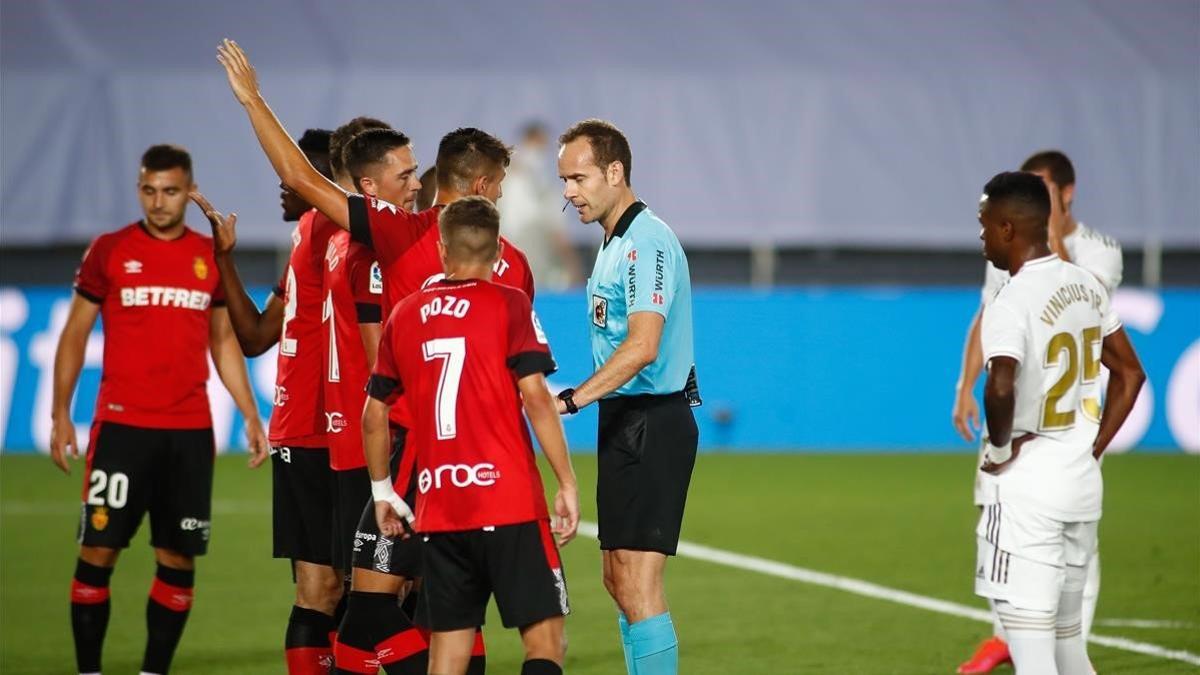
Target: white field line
(750,564)
(1144,623)
(870,590)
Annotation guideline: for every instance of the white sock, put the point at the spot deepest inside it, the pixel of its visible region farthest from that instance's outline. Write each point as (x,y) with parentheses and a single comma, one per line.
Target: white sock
(1030,638)
(1091,593)
(1070,649)
(997,627)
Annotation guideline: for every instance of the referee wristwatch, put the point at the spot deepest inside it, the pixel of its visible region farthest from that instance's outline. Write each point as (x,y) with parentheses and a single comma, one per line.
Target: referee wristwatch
(567,396)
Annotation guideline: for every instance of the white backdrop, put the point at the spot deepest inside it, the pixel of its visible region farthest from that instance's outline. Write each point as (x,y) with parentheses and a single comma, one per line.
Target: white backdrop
(861,122)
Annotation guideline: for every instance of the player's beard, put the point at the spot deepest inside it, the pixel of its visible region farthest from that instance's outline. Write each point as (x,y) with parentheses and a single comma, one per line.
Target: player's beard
(163,226)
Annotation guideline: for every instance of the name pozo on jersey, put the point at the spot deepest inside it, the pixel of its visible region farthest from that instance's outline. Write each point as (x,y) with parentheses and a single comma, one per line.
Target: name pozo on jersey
(165,296)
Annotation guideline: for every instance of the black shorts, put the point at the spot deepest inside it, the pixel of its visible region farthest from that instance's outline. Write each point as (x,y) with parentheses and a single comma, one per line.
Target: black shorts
(519,564)
(646,449)
(132,470)
(303,486)
(352,488)
(375,552)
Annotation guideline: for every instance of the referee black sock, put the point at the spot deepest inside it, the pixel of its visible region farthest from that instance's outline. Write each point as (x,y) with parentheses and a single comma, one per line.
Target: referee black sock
(540,667)
(90,607)
(166,614)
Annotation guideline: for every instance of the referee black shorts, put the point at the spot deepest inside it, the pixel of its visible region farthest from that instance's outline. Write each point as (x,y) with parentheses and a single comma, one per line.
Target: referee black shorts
(646,452)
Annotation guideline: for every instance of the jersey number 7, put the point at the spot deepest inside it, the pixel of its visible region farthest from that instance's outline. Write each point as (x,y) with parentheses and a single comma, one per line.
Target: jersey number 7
(453,354)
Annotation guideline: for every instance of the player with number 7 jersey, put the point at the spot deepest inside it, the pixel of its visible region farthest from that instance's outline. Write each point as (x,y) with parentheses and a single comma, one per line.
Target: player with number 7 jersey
(469,355)
(455,351)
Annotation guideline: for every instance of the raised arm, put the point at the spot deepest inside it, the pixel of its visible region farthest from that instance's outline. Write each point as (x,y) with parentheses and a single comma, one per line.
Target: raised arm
(1125,379)
(638,350)
(286,157)
(68,361)
(256,331)
(231,368)
(540,407)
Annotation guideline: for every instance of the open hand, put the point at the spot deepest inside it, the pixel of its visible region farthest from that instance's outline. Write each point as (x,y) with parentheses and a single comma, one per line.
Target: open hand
(242,79)
(224,230)
(966,415)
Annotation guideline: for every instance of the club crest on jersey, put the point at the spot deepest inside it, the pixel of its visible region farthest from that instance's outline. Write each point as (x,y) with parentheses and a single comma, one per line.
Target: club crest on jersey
(200,268)
(100,518)
(296,236)
(599,311)
(376,278)
(133,267)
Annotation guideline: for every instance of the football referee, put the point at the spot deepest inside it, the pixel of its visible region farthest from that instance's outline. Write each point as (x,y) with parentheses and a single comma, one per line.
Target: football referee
(641,332)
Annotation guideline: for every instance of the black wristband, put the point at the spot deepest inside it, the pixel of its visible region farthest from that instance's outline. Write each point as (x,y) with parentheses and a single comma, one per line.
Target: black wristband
(567,396)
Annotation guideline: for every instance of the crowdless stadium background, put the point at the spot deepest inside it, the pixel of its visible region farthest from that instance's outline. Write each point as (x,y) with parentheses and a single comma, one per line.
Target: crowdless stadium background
(777,138)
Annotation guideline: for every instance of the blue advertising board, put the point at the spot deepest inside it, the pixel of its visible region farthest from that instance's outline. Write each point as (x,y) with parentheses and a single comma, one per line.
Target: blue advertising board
(813,369)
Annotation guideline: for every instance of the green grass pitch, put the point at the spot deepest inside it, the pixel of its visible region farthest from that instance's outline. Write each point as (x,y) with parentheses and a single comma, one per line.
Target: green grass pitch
(903,521)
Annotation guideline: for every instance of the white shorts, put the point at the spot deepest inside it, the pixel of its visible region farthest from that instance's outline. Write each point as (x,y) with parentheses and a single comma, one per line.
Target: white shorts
(1022,555)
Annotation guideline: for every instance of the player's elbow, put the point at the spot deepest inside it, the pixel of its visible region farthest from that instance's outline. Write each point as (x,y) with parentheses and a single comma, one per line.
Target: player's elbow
(644,353)
(1134,376)
(374,417)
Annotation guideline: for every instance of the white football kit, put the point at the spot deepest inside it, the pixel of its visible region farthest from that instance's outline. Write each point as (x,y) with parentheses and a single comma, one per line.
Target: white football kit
(1042,510)
(1094,252)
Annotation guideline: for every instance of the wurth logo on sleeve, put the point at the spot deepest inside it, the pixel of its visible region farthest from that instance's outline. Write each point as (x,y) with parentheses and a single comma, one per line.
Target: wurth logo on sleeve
(165,296)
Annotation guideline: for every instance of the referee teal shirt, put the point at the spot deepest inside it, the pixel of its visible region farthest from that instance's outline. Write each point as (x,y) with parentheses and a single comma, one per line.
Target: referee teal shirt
(642,268)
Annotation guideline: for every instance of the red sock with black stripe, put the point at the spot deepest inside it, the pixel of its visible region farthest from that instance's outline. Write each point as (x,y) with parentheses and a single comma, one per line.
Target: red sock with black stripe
(90,607)
(306,644)
(478,664)
(166,614)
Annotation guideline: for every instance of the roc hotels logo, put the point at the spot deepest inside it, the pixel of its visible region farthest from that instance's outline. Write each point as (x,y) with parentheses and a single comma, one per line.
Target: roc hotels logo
(200,268)
(100,519)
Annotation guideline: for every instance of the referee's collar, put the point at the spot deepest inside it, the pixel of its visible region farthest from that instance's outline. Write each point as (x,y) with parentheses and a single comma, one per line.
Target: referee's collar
(626,220)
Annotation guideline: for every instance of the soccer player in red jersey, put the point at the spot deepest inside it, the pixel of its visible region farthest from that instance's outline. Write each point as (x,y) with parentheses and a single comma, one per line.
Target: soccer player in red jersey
(303,484)
(468,353)
(156,285)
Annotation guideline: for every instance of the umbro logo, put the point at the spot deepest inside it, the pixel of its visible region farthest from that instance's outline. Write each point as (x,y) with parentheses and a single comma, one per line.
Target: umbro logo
(133,267)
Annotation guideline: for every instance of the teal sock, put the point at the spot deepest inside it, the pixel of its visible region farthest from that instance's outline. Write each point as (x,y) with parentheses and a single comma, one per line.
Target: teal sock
(655,648)
(626,645)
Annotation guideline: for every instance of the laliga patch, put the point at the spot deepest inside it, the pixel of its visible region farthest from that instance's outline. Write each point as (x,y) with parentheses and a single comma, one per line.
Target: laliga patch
(537,329)
(599,311)
(200,268)
(376,279)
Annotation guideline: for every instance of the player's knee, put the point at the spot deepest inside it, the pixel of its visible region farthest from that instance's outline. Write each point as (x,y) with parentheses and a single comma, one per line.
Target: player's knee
(318,588)
(610,583)
(545,640)
(99,556)
(174,559)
